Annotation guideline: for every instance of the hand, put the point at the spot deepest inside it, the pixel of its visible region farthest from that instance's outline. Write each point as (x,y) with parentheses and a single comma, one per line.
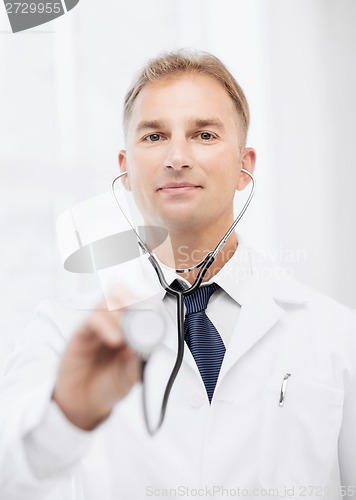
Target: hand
(97,369)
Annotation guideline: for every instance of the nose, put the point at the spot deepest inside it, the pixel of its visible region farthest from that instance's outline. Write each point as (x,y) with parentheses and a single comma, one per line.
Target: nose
(178,155)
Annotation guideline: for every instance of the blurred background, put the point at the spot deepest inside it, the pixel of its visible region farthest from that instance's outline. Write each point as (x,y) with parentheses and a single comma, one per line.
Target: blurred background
(61,91)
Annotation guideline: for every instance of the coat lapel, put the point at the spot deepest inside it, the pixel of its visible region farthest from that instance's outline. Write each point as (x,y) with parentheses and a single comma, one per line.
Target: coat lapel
(259,313)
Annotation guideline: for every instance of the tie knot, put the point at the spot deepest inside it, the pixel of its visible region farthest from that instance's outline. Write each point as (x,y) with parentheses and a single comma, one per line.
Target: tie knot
(198,300)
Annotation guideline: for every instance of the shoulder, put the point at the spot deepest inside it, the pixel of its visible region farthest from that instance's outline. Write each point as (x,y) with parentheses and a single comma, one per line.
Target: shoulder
(287,291)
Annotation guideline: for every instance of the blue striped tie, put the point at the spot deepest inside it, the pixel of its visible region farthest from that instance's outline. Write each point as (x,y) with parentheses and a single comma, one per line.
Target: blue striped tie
(202,337)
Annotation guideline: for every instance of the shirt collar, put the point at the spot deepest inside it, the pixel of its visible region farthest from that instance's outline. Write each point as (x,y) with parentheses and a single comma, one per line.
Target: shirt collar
(243,272)
(234,277)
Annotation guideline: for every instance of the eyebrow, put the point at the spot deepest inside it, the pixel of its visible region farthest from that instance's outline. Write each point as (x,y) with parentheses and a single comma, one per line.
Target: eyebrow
(196,122)
(149,125)
(209,122)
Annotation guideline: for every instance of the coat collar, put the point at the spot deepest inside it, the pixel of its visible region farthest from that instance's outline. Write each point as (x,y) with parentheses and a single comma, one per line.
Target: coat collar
(267,290)
(261,288)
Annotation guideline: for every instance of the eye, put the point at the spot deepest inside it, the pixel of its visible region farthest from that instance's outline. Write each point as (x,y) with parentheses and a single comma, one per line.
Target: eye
(206,136)
(153,138)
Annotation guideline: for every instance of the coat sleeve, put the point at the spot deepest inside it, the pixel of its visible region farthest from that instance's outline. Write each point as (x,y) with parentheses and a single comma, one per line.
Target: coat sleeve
(34,456)
(347,439)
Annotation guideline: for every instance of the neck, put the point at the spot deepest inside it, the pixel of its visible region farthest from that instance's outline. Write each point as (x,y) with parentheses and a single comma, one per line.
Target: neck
(182,251)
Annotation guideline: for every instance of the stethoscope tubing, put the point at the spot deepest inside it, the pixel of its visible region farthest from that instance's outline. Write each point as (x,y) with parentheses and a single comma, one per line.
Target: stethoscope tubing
(179,294)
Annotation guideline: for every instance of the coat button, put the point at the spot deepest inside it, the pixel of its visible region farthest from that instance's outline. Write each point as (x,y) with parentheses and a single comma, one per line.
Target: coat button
(197,400)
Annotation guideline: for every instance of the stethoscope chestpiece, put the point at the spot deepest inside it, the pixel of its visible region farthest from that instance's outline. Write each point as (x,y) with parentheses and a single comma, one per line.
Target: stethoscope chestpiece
(144,330)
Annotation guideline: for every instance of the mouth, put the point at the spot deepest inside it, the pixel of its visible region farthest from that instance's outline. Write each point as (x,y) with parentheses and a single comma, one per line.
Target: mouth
(178,187)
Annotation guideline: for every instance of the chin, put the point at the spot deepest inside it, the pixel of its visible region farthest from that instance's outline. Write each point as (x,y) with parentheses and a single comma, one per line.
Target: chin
(185,223)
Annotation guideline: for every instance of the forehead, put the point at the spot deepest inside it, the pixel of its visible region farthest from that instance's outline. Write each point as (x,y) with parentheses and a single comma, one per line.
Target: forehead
(182,97)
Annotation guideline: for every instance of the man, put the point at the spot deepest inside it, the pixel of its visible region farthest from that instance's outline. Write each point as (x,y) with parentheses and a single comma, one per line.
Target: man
(279,420)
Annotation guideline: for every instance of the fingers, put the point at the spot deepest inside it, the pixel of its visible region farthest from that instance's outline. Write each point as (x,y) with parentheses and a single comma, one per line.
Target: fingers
(104,326)
(104,323)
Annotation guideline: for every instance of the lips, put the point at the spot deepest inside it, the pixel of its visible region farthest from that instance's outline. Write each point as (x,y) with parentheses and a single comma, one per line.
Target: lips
(178,186)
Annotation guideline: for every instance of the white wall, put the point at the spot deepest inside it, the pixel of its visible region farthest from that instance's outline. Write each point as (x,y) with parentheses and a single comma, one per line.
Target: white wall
(61,91)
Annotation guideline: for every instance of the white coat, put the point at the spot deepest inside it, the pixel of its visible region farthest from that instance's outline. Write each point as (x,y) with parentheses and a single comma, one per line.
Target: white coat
(245,445)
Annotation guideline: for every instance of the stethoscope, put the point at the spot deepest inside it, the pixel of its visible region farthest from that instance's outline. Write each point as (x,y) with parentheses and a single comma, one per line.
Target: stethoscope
(147,347)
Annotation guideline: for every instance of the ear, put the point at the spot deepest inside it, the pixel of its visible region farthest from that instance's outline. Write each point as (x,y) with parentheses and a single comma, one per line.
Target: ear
(248,160)
(123,168)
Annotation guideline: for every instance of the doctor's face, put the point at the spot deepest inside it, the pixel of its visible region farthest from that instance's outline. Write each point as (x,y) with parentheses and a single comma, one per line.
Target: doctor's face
(184,154)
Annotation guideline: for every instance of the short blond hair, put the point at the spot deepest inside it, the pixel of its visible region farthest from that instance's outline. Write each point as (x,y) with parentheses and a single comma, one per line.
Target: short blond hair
(183,61)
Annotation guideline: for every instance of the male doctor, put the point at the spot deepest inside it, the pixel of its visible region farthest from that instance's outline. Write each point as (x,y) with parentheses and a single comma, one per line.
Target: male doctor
(272,411)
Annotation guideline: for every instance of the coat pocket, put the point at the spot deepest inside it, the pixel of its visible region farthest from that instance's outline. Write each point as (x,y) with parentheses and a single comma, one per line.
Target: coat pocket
(299,439)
